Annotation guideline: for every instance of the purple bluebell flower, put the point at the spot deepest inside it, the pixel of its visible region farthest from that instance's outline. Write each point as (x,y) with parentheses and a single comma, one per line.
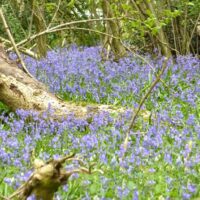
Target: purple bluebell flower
(136,195)
(186,196)
(169,140)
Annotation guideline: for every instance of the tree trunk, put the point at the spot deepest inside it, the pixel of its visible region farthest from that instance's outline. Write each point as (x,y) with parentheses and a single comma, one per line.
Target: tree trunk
(20,91)
(164,44)
(39,22)
(112,28)
(141,8)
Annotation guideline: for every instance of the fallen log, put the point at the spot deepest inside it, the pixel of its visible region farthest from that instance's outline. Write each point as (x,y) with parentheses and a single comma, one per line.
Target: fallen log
(20,91)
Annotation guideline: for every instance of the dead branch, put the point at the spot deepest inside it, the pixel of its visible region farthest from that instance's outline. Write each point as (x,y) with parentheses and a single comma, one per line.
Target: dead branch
(55,13)
(25,51)
(47,178)
(19,91)
(55,28)
(193,31)
(146,61)
(135,115)
(13,42)
(85,29)
(4,40)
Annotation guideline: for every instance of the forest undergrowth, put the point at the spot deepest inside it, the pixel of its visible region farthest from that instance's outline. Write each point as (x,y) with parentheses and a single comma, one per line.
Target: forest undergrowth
(162,160)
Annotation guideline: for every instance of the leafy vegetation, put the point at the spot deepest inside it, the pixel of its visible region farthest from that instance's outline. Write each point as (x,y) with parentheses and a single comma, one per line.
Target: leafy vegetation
(162,161)
(169,26)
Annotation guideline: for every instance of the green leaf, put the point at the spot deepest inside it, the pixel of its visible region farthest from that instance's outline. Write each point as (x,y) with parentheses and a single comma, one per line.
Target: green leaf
(71,3)
(126,7)
(190,4)
(109,193)
(94,188)
(131,185)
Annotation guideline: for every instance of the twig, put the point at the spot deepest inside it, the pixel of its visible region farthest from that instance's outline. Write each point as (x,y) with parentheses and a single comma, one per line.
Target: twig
(4,40)
(31,22)
(143,59)
(3,198)
(85,170)
(134,117)
(190,39)
(85,29)
(22,49)
(127,48)
(167,45)
(57,9)
(55,28)
(47,177)
(13,42)
(28,52)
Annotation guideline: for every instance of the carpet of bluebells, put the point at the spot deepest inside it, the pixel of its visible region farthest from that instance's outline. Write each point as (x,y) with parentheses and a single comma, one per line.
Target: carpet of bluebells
(163,156)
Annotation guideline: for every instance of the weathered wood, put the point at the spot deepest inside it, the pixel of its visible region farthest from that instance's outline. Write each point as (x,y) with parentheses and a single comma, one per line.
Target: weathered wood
(47,177)
(20,91)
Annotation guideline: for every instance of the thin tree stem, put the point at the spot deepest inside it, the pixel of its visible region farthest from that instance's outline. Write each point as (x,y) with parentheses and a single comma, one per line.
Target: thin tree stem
(55,28)
(13,42)
(135,115)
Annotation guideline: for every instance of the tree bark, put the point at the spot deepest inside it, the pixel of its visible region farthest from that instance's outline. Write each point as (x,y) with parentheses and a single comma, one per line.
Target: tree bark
(19,91)
(112,28)
(39,22)
(47,177)
(164,44)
